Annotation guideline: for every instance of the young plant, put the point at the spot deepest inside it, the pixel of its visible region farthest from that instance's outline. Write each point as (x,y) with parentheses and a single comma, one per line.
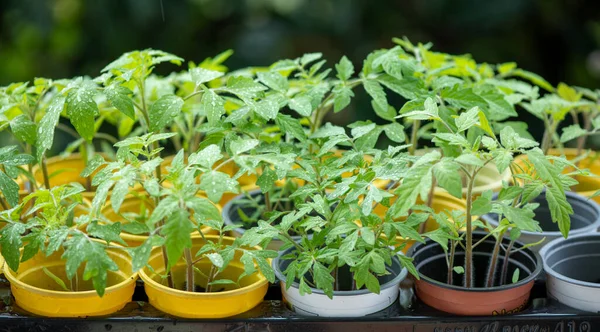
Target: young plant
(10,160)
(50,228)
(472,154)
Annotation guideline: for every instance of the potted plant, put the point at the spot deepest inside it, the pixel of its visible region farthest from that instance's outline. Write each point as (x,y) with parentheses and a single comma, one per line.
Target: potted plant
(477,277)
(57,270)
(552,108)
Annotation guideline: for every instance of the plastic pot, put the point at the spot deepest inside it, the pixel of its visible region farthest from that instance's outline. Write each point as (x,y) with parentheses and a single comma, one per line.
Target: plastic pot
(441,201)
(180,303)
(432,287)
(584,220)
(348,303)
(37,293)
(231,217)
(134,204)
(64,170)
(572,268)
(587,185)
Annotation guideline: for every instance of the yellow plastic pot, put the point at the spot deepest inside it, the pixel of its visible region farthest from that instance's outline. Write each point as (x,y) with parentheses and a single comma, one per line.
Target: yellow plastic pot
(588,185)
(64,170)
(37,293)
(133,204)
(442,201)
(226,303)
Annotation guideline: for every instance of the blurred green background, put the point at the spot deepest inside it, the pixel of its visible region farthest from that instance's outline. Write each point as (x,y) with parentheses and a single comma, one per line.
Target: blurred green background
(559,40)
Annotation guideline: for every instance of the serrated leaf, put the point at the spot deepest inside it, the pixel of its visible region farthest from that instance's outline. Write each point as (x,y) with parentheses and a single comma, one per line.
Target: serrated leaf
(499,108)
(213,105)
(206,157)
(533,78)
(81,110)
(502,159)
(388,113)
(301,104)
(10,243)
(343,96)
(92,165)
(202,75)
(273,80)
(216,183)
(376,92)
(447,174)
(344,69)
(47,124)
(164,111)
(119,97)
(9,189)
(177,231)
(359,131)
(469,159)
(24,129)
(467,119)
(463,98)
(572,132)
(291,126)
(243,145)
(395,132)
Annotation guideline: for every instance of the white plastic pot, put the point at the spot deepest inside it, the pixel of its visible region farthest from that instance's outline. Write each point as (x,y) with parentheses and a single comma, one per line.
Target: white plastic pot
(584,220)
(573,271)
(354,303)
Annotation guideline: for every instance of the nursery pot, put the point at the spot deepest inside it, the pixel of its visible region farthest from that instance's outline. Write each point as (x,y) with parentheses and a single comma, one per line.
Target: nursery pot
(134,204)
(442,201)
(229,302)
(588,185)
(584,220)
(345,303)
(37,293)
(573,271)
(64,170)
(432,287)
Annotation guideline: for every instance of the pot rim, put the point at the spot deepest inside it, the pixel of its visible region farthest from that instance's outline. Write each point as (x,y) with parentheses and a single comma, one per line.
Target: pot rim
(570,195)
(255,285)
(279,274)
(531,277)
(556,244)
(9,274)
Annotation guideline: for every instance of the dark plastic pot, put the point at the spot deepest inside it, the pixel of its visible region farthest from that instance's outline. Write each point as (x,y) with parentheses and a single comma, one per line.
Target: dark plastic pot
(432,288)
(353,303)
(584,220)
(231,216)
(572,268)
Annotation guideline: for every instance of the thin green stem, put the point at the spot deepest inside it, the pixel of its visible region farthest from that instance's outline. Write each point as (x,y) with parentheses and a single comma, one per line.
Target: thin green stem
(469,237)
(493,262)
(45,173)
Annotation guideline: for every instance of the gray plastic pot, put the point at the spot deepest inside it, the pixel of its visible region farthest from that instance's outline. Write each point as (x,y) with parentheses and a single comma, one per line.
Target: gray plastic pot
(573,271)
(353,303)
(584,220)
(230,217)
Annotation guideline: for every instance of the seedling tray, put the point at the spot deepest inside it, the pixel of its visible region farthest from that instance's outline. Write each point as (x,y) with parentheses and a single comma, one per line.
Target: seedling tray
(541,315)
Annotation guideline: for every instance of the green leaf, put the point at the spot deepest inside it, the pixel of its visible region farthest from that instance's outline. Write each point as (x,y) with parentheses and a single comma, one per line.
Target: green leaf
(292,126)
(244,87)
(164,111)
(10,189)
(92,165)
(467,119)
(216,183)
(207,157)
(266,181)
(572,132)
(447,174)
(459,269)
(323,279)
(560,209)
(301,104)
(463,98)
(56,279)
(344,69)
(119,97)
(24,129)
(502,159)
(241,145)
(177,231)
(388,113)
(522,218)
(376,92)
(343,96)
(108,233)
(97,265)
(407,87)
(499,108)
(268,108)
(533,78)
(368,140)
(81,109)
(47,125)
(328,131)
(201,75)
(360,131)
(215,259)
(515,276)
(10,244)
(273,80)
(416,182)
(141,254)
(395,132)
(469,159)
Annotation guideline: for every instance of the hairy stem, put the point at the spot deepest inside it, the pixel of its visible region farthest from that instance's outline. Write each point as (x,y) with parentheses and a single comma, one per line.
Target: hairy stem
(414,137)
(469,237)
(45,173)
(451,262)
(505,263)
(190,282)
(493,262)
(211,276)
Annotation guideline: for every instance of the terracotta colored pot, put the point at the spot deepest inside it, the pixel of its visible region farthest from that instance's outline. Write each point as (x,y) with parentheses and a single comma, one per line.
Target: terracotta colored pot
(433,289)
(442,201)
(588,185)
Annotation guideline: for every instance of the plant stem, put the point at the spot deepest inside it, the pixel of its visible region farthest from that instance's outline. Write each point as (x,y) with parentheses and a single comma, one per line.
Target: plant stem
(423,226)
(268,202)
(493,262)
(505,264)
(451,262)
(45,173)
(413,137)
(469,237)
(211,275)
(4,205)
(187,252)
(587,125)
